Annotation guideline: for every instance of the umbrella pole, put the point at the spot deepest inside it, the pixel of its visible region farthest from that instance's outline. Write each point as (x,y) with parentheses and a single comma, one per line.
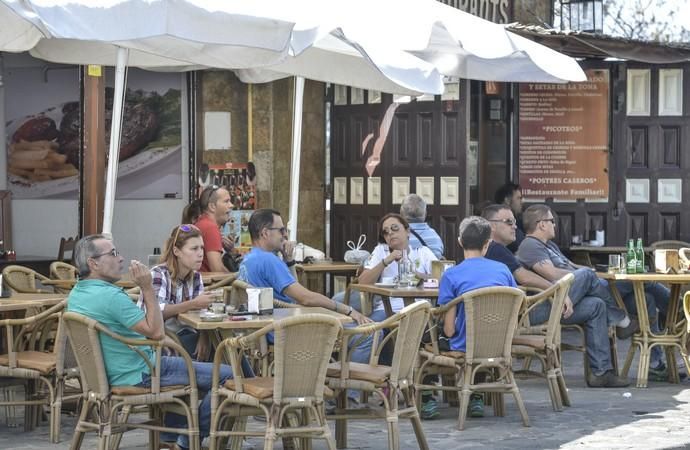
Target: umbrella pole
(297,106)
(115,134)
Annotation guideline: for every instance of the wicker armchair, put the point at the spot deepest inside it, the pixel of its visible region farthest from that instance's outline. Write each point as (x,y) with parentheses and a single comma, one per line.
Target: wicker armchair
(491,316)
(227,281)
(107,402)
(62,271)
(407,328)
(23,280)
(297,383)
(27,360)
(544,343)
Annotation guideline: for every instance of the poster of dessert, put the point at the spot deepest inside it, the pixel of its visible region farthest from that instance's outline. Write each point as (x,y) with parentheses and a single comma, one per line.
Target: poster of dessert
(43,133)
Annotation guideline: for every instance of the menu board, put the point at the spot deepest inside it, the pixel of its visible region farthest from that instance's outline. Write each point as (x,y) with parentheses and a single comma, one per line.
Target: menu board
(563,145)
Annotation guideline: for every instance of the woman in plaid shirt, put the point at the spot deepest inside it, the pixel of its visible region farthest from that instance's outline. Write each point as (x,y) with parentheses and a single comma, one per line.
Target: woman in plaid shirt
(178,286)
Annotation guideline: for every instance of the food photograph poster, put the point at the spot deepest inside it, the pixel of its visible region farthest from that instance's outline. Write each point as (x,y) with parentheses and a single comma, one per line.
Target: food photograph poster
(43,132)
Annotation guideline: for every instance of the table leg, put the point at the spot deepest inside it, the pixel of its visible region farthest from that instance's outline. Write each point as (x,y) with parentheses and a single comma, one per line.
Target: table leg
(387,305)
(643,337)
(671,326)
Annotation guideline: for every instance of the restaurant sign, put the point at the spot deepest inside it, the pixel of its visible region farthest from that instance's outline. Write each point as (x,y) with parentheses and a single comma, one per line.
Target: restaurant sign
(563,144)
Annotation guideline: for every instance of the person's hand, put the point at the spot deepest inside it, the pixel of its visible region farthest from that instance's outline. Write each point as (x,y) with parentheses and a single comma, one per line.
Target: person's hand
(203,300)
(202,348)
(288,250)
(360,318)
(567,308)
(140,274)
(395,255)
(228,243)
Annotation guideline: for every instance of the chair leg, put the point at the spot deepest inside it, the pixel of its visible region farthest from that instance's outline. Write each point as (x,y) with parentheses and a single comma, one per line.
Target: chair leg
(415,419)
(341,424)
(124,417)
(643,366)
(464,403)
(562,388)
(79,432)
(271,422)
(520,404)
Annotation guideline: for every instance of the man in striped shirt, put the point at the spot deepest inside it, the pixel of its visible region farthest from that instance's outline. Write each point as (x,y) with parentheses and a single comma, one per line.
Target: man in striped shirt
(413,209)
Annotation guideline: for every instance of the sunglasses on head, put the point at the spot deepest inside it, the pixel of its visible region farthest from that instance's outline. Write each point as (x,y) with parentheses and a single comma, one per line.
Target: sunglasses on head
(208,193)
(186,227)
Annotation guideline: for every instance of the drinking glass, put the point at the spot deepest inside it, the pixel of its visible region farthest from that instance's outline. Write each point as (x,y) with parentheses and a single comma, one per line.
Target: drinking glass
(614,263)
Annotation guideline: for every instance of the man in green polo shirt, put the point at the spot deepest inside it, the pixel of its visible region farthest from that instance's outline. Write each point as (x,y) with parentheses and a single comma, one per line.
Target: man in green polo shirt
(96,296)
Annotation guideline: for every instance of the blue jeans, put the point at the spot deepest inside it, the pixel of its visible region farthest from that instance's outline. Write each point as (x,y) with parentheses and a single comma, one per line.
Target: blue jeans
(587,283)
(590,312)
(173,371)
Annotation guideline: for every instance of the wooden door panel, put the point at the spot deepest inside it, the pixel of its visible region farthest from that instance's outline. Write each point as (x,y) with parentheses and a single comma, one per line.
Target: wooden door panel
(637,225)
(670,145)
(425,139)
(670,226)
(339,141)
(639,148)
(447,228)
(450,150)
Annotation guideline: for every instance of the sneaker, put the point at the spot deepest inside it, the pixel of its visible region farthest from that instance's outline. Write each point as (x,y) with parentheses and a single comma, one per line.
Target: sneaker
(632,328)
(659,373)
(607,379)
(430,410)
(476,406)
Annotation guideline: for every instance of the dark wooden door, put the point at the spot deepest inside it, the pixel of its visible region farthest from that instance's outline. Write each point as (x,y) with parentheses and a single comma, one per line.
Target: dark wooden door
(417,143)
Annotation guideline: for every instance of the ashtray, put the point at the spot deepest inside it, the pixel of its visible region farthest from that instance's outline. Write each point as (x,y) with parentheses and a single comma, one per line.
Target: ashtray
(207,316)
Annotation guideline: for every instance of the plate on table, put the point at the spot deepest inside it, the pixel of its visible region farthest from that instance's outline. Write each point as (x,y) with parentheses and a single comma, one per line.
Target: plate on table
(211,317)
(385,285)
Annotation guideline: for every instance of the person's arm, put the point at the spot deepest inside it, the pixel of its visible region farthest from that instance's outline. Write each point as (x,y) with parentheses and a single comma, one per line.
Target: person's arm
(528,278)
(151,325)
(305,297)
(449,322)
(373,273)
(215,262)
(546,269)
(200,302)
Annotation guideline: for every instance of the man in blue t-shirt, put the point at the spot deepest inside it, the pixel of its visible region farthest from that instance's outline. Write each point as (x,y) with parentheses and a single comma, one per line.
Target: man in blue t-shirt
(96,296)
(474,272)
(262,267)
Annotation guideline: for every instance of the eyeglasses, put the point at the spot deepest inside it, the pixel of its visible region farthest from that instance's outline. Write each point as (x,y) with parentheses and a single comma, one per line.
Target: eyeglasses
(394,228)
(552,220)
(282,230)
(112,252)
(509,222)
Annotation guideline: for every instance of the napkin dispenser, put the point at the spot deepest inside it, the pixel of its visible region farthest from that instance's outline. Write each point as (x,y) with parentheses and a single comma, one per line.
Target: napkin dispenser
(666,261)
(260,300)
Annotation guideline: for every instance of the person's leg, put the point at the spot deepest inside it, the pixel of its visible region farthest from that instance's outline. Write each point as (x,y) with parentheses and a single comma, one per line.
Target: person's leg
(587,283)
(591,313)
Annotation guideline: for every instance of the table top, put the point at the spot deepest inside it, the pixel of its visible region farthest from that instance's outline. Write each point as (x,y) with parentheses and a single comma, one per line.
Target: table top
(607,249)
(257,321)
(18,302)
(671,278)
(329,266)
(415,292)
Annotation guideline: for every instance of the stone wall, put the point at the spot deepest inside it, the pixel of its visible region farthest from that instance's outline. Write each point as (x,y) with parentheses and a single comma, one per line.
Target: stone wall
(534,12)
(271,143)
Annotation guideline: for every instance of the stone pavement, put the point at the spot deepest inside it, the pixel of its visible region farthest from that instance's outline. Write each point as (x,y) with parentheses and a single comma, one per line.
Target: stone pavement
(654,418)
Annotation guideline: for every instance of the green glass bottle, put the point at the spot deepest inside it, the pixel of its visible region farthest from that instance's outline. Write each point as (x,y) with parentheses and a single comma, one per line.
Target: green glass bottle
(639,256)
(631,262)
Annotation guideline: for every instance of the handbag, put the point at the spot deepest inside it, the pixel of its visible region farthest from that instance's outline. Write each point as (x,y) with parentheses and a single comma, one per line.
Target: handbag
(356,255)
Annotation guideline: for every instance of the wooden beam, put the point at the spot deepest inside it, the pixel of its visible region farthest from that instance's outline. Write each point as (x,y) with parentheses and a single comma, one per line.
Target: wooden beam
(94,161)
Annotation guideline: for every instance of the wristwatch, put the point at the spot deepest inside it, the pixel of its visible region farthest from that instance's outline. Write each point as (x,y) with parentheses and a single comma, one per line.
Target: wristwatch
(349,312)
(290,263)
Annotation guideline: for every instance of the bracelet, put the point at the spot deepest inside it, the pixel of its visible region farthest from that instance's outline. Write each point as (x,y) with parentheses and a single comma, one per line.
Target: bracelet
(290,263)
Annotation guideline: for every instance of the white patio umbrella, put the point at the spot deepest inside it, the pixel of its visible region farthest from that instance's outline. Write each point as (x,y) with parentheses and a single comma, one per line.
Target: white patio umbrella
(192,34)
(393,46)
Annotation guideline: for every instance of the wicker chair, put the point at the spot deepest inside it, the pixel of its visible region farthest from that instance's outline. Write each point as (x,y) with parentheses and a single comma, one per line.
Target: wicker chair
(227,281)
(543,342)
(23,280)
(297,384)
(28,360)
(491,316)
(67,245)
(407,328)
(106,402)
(62,271)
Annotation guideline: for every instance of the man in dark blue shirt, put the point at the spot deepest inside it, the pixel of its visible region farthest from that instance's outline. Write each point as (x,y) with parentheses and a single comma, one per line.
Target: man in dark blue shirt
(589,311)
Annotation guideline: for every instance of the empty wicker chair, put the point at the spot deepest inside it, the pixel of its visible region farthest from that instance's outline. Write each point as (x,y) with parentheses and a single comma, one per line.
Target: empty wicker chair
(297,383)
(491,316)
(62,271)
(544,342)
(28,360)
(107,401)
(389,383)
(23,280)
